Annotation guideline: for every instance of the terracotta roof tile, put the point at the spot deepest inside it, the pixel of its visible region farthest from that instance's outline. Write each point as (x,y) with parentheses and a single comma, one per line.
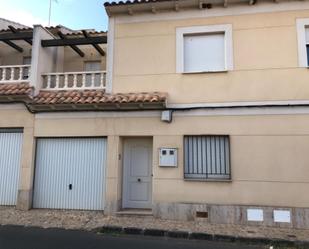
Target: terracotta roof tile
(15,89)
(55,29)
(96,97)
(64,99)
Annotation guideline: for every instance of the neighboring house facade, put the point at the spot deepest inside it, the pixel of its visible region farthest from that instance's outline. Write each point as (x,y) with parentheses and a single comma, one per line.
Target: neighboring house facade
(4,24)
(202,114)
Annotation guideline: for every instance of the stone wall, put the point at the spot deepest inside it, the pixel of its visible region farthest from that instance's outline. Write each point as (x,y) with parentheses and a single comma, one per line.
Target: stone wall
(229,214)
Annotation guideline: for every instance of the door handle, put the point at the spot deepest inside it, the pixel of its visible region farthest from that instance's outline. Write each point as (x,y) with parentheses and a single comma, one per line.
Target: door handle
(139,180)
(70,186)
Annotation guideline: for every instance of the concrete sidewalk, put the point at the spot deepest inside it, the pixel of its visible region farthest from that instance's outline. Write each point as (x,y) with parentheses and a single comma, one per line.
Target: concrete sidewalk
(89,220)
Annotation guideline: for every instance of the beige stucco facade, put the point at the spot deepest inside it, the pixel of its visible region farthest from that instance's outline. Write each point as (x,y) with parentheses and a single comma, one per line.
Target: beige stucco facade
(268,145)
(268,152)
(265,59)
(16,116)
(264,152)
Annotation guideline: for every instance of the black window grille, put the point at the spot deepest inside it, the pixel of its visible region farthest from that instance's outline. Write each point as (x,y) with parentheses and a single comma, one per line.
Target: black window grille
(207,157)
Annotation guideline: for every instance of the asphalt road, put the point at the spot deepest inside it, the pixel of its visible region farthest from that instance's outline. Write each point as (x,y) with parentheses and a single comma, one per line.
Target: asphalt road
(12,237)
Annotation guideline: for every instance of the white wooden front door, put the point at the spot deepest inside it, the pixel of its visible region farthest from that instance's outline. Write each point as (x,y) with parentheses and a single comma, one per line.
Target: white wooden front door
(137,174)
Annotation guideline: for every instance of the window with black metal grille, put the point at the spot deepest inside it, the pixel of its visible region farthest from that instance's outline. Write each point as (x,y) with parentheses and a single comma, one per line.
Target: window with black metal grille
(207,157)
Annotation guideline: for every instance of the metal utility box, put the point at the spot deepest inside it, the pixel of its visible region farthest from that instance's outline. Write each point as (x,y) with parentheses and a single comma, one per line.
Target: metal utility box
(282,216)
(167,116)
(168,157)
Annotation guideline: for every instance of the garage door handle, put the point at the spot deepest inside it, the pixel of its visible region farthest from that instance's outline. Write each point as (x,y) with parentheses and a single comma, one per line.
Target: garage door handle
(139,180)
(70,186)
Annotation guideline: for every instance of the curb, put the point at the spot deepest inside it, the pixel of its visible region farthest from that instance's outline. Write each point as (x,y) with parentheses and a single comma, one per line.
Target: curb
(133,230)
(154,232)
(201,236)
(110,229)
(178,234)
(198,236)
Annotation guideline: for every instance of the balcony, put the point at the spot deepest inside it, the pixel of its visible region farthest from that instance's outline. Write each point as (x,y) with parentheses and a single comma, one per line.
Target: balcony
(74,80)
(14,73)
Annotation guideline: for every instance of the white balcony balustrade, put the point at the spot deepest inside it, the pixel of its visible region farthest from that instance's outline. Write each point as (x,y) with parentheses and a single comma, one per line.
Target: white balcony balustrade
(14,73)
(74,80)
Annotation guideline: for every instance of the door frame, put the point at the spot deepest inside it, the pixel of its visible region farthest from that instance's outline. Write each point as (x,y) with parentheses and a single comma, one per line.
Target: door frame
(125,142)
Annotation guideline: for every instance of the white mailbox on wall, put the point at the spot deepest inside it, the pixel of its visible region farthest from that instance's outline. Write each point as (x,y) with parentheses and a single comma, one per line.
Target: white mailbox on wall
(168,157)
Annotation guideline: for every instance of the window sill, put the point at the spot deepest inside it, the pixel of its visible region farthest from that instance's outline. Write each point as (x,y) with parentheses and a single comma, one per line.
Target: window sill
(206,72)
(208,180)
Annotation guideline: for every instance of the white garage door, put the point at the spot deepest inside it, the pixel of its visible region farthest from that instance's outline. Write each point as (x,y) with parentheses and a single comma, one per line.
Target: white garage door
(70,173)
(10,157)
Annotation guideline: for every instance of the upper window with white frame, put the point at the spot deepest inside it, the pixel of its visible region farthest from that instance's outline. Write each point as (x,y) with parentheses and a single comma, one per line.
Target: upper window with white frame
(204,49)
(303,41)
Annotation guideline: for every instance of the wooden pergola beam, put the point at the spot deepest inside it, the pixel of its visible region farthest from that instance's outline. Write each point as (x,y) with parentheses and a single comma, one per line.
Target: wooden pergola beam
(74,47)
(16,36)
(130,11)
(15,31)
(176,7)
(74,41)
(13,45)
(96,46)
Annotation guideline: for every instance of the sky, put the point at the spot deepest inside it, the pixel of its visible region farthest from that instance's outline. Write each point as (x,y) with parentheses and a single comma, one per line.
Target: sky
(74,14)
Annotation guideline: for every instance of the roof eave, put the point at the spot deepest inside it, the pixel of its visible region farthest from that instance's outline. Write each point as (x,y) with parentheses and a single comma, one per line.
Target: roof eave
(157,6)
(98,107)
(26,98)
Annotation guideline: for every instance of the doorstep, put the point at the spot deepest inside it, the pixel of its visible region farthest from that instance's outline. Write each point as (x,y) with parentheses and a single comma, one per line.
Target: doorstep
(135,212)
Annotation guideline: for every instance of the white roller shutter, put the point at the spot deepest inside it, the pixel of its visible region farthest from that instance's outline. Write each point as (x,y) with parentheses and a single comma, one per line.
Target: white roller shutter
(204,52)
(10,161)
(70,173)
